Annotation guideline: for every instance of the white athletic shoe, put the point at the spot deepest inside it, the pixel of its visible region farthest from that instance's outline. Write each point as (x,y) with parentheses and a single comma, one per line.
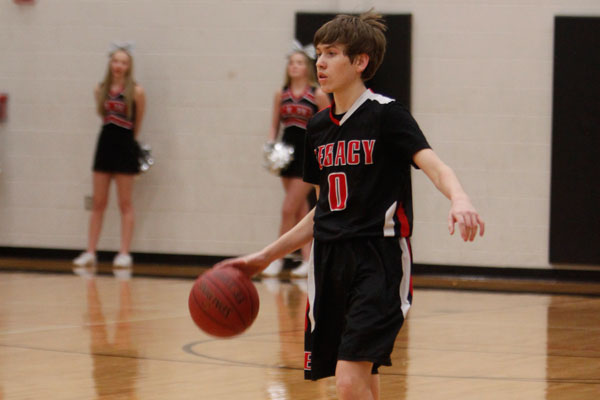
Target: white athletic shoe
(301,270)
(85,265)
(85,259)
(123,260)
(274,268)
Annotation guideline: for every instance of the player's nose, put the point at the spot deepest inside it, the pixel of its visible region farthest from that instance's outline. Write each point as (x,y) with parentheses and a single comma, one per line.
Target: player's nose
(320,63)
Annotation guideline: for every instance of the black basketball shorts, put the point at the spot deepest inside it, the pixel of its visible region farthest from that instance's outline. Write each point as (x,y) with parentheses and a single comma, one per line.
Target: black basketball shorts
(359,292)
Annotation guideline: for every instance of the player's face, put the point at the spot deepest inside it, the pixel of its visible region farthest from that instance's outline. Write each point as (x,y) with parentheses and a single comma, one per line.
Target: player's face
(297,67)
(119,64)
(334,69)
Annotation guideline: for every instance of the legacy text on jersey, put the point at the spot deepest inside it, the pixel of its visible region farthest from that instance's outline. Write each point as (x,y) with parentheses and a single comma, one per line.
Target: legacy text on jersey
(342,153)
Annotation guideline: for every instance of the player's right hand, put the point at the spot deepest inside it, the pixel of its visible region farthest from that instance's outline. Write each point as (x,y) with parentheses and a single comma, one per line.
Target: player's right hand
(251,264)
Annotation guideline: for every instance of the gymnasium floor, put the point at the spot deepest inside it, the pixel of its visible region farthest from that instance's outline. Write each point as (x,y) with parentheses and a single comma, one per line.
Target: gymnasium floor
(64,336)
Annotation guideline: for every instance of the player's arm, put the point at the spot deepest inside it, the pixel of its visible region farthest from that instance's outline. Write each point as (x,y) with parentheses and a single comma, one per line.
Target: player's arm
(461,209)
(292,240)
(139,96)
(276,117)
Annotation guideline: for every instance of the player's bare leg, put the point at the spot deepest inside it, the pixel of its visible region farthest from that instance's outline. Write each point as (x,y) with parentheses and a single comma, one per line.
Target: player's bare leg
(375,386)
(354,381)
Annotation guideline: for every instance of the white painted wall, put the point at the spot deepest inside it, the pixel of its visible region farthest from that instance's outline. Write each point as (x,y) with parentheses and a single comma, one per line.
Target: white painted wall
(482,91)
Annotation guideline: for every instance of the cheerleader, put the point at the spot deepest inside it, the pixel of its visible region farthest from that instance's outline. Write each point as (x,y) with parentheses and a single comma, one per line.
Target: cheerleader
(294,104)
(120,103)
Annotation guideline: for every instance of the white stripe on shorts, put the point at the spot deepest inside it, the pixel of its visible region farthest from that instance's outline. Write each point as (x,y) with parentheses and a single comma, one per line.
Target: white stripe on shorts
(405,282)
(311,286)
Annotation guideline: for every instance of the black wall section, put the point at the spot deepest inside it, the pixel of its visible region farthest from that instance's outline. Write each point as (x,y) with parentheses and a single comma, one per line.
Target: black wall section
(393,77)
(575,184)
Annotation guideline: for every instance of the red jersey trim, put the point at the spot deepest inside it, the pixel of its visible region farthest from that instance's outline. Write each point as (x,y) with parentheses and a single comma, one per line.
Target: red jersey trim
(333,119)
(404,227)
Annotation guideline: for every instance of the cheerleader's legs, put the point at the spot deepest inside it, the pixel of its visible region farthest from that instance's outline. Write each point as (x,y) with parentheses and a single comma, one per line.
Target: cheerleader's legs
(124,193)
(101,185)
(295,207)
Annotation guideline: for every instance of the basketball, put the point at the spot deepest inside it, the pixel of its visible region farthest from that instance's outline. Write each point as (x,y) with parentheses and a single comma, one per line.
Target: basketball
(223,302)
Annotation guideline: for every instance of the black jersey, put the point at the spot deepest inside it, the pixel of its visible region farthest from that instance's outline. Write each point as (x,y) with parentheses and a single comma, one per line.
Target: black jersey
(362,166)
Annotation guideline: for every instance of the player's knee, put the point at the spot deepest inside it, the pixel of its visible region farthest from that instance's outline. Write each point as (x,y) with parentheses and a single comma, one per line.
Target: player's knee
(348,387)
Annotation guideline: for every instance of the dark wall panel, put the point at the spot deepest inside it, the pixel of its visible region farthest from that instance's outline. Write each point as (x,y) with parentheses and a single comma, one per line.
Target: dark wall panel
(575,183)
(393,77)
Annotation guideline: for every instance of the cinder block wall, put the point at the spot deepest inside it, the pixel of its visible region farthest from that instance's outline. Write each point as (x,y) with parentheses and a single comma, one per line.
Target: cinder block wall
(482,92)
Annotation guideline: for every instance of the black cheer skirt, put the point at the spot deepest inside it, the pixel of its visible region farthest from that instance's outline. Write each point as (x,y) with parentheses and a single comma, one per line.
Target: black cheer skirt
(116,151)
(294,136)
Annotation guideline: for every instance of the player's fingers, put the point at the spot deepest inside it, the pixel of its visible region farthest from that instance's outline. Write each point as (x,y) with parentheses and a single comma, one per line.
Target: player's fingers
(481,223)
(462,227)
(221,264)
(472,223)
(451,224)
(473,233)
(230,262)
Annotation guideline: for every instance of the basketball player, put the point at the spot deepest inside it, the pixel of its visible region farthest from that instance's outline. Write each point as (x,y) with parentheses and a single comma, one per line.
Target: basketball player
(362,148)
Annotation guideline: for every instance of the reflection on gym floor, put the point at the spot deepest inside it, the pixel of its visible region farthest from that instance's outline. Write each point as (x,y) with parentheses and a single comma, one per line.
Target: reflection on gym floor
(105,337)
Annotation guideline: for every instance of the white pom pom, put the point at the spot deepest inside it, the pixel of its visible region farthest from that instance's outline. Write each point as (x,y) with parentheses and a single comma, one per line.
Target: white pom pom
(277,156)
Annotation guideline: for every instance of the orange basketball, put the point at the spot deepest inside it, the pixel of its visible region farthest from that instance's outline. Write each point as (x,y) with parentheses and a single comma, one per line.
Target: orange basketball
(223,302)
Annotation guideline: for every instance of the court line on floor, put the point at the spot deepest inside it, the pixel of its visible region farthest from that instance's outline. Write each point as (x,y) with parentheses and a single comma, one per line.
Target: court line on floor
(223,362)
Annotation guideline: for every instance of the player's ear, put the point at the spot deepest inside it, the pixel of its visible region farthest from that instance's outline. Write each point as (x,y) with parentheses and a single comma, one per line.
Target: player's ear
(361,61)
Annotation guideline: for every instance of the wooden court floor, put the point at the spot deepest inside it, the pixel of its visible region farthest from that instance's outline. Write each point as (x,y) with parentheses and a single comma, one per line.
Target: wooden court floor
(64,336)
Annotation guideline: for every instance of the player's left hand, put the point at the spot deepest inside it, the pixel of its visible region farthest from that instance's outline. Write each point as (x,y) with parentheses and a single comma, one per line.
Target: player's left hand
(469,222)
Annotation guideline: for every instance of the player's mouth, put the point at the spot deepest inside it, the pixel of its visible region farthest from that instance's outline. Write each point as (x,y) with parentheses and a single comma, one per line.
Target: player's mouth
(322,77)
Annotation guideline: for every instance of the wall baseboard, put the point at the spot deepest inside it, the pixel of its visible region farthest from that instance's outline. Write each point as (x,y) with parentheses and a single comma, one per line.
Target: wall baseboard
(194,260)
(107,256)
(555,274)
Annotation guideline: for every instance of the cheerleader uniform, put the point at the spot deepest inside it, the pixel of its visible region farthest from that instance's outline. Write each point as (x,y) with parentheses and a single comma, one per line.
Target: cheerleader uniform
(116,150)
(294,115)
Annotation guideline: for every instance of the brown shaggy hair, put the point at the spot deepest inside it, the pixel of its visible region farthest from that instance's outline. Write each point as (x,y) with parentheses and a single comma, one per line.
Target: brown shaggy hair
(364,34)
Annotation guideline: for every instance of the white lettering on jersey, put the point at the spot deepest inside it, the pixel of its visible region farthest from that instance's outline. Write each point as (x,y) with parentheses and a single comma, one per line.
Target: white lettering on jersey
(331,154)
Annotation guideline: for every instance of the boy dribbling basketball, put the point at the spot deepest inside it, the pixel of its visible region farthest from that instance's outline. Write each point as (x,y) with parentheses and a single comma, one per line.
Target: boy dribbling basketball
(362,148)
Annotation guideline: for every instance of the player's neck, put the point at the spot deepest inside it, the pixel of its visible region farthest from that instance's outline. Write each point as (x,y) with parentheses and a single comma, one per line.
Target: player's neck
(344,98)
